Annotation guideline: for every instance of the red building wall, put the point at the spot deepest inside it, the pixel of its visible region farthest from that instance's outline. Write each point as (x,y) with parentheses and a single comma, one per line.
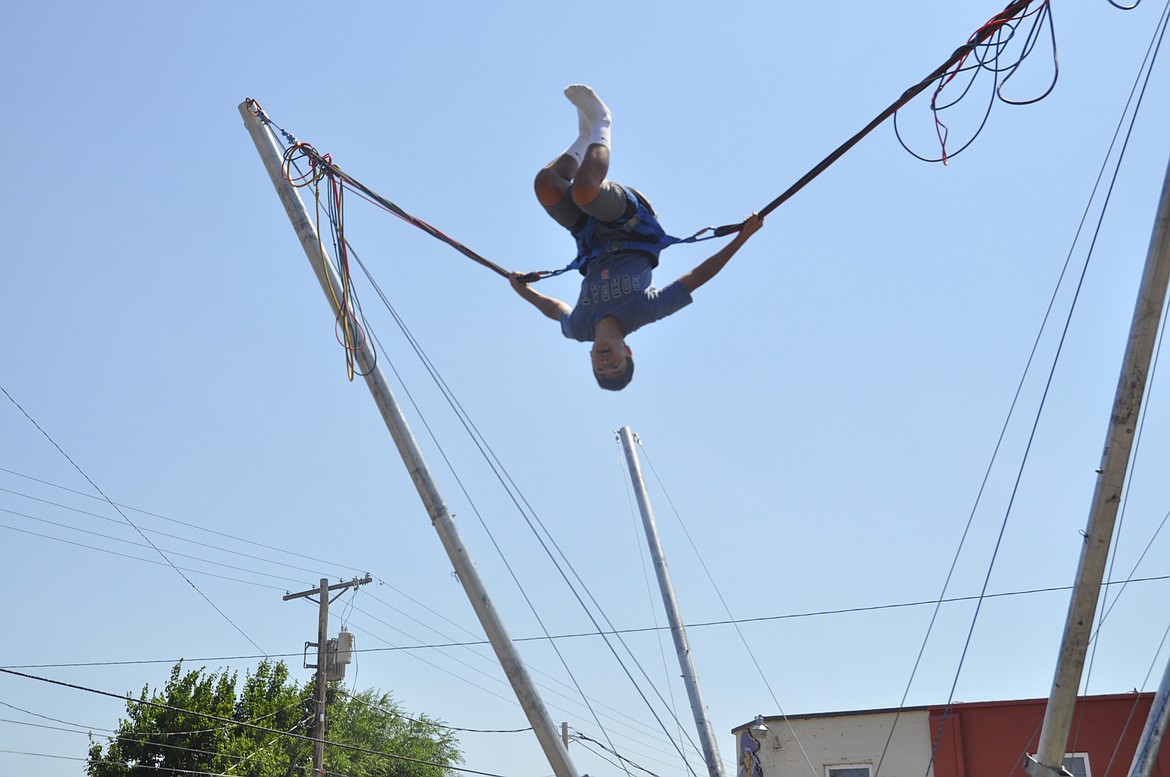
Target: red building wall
(991,739)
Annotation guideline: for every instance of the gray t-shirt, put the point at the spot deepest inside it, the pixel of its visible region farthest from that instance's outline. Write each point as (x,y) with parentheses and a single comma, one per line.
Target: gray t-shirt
(619,285)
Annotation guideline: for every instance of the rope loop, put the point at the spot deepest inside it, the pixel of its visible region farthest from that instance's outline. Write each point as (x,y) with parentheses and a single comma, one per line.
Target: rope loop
(319,166)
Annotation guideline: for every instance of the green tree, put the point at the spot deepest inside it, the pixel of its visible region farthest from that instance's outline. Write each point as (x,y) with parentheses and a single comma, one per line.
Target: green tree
(361,720)
(199,724)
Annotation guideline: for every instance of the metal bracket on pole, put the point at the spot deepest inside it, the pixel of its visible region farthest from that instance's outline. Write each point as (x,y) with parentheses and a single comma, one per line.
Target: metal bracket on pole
(1037,769)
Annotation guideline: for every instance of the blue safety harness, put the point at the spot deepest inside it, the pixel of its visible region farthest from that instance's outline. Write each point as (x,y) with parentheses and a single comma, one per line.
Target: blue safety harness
(640,233)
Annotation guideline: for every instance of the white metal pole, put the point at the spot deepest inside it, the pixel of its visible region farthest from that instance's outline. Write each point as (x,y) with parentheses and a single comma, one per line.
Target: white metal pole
(1049,759)
(509,659)
(1154,732)
(690,677)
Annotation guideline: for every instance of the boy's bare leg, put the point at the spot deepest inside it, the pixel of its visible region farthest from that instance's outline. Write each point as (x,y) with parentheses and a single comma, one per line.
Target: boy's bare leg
(554,180)
(593,120)
(582,168)
(587,183)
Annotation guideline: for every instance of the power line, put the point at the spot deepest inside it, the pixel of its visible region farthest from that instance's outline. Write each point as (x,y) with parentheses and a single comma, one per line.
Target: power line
(96,488)
(636,630)
(160,516)
(584,740)
(727,609)
(131,543)
(204,544)
(174,770)
(627,724)
(168,535)
(143,560)
(153,743)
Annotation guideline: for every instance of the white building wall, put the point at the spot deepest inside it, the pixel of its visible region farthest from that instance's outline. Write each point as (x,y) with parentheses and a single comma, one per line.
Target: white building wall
(807,747)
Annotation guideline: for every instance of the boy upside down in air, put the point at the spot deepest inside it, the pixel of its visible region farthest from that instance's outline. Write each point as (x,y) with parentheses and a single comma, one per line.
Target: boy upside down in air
(617,237)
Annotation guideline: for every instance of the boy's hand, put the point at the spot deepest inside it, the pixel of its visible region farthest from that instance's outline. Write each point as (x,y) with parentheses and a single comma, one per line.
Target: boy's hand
(751,225)
(517,281)
(711,267)
(549,306)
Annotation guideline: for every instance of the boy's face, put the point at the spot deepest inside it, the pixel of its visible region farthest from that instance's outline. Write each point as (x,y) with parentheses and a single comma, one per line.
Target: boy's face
(609,356)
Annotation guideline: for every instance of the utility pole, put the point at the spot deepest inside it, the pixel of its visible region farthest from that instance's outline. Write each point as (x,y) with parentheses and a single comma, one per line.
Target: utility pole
(1119,439)
(681,646)
(1150,743)
(323,600)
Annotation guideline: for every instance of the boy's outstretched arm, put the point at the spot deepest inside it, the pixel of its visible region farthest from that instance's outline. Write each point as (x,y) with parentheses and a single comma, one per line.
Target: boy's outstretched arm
(549,306)
(711,266)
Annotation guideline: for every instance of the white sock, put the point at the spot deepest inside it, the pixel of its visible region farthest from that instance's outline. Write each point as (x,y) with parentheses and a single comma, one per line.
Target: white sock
(593,116)
(577,150)
(584,138)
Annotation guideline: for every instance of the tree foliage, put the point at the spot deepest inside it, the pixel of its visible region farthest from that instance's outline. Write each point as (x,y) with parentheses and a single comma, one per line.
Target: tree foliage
(201,724)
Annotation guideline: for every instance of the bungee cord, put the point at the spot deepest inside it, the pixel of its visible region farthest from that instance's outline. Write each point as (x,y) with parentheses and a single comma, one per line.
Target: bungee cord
(347,311)
(942,74)
(324,167)
(985,51)
(987,55)
(323,163)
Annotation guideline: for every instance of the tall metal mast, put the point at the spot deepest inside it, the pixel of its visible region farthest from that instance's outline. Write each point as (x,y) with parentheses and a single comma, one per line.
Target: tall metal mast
(1146,754)
(1049,759)
(525,690)
(690,678)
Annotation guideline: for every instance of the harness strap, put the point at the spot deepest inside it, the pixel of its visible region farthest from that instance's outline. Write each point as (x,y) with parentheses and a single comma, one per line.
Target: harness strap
(640,232)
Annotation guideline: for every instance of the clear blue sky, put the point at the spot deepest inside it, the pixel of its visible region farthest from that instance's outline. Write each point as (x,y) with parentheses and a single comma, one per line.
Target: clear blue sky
(821,417)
